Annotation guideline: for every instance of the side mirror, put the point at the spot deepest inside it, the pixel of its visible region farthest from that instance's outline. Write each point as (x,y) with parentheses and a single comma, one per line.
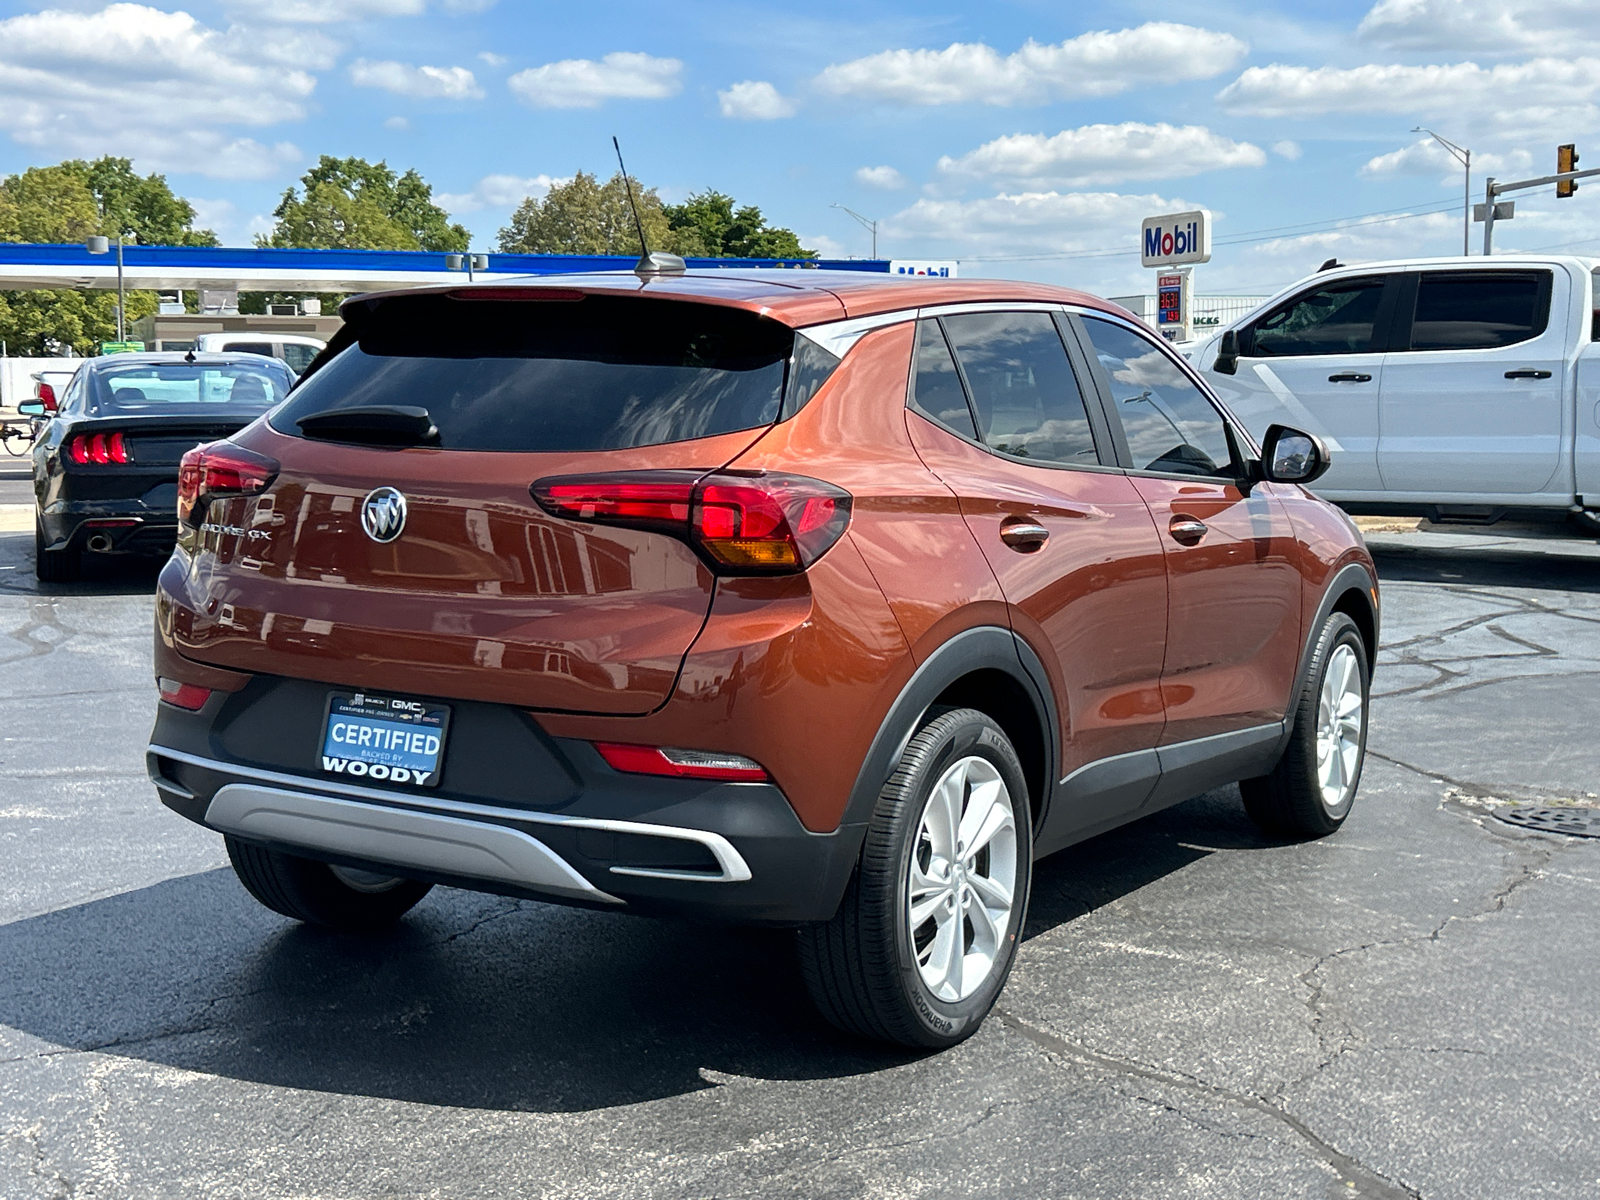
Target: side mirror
(31,408)
(1293,456)
(1228,354)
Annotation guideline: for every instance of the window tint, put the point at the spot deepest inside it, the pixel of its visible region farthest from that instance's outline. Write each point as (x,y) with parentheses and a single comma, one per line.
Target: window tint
(809,368)
(1024,394)
(1479,310)
(600,373)
(250,348)
(1169,423)
(166,387)
(937,392)
(1337,319)
(297,356)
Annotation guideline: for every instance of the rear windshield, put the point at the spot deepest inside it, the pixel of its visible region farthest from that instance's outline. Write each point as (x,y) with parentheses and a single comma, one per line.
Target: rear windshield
(599,373)
(180,387)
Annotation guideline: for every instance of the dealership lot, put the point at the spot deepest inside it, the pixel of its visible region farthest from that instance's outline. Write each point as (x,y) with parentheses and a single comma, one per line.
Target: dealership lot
(1403,1008)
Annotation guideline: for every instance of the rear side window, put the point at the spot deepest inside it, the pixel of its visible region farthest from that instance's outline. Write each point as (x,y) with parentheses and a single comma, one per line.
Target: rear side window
(1170,425)
(937,392)
(1337,318)
(1479,310)
(297,356)
(1024,394)
(599,373)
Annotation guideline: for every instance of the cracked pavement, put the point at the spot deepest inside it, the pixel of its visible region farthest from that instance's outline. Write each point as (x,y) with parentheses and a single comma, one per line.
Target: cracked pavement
(1403,1009)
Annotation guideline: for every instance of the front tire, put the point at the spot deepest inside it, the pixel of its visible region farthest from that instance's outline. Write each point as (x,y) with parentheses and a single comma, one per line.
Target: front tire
(306,890)
(1310,791)
(926,934)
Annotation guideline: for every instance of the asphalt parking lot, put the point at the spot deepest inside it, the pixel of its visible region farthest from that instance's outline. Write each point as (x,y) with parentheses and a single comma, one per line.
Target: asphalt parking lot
(1406,1008)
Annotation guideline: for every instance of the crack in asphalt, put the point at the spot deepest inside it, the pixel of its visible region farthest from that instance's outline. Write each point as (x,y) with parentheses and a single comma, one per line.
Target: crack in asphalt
(1469,787)
(60,1185)
(1360,1180)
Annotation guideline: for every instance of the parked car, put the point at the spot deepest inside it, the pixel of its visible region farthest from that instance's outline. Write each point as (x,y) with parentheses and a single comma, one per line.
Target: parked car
(293,349)
(797,598)
(1460,389)
(105,464)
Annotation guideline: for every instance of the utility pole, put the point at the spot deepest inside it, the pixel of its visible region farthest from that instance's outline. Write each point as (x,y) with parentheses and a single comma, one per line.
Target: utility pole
(870,226)
(1463,156)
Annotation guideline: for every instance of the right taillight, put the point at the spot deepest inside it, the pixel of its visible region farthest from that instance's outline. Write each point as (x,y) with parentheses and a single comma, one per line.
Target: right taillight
(102,449)
(755,523)
(220,469)
(47,397)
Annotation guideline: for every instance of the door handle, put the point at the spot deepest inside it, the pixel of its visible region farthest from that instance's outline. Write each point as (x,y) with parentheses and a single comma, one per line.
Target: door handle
(1186,530)
(1349,377)
(1024,535)
(1527,373)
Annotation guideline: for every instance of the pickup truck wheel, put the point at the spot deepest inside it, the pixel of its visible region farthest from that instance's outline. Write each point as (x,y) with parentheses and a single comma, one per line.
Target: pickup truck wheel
(53,566)
(317,893)
(926,934)
(1310,791)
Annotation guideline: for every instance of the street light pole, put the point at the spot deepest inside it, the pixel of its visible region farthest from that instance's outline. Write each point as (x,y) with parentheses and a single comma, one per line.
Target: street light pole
(870,226)
(1464,157)
(101,245)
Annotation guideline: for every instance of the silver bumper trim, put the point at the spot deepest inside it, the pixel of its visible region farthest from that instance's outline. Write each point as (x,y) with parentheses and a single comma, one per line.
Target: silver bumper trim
(731,864)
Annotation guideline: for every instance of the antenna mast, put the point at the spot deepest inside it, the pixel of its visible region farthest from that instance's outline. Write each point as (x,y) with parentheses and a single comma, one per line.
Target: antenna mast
(649,263)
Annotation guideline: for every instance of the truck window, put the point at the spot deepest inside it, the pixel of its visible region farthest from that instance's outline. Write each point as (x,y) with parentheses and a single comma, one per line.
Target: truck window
(1479,310)
(1337,318)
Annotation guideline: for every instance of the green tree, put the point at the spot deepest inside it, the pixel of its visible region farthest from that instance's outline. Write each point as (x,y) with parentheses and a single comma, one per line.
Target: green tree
(708,224)
(351,204)
(143,206)
(585,216)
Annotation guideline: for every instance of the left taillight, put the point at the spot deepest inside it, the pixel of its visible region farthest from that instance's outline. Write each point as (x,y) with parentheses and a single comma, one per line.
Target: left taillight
(756,523)
(220,469)
(183,695)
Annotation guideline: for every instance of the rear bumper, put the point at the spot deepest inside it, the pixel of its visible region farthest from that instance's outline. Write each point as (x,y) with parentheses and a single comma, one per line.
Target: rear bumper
(69,525)
(578,833)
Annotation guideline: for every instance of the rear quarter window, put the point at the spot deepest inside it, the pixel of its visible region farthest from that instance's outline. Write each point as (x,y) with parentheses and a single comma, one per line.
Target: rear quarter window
(597,373)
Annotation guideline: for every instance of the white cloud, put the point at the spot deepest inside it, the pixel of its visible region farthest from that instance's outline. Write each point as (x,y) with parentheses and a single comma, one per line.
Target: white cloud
(1093,64)
(430,83)
(1099,154)
(1510,94)
(825,246)
(584,83)
(399,123)
(468,6)
(1493,26)
(497,191)
(493,59)
(325,12)
(886,178)
(1025,223)
(1427,157)
(153,85)
(1287,149)
(755,100)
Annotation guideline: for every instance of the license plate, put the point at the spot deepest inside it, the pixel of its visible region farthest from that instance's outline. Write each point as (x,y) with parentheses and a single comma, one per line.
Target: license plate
(389,738)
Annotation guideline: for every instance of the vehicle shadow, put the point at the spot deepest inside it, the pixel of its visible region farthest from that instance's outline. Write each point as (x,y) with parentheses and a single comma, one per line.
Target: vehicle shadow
(1488,567)
(106,576)
(480,1001)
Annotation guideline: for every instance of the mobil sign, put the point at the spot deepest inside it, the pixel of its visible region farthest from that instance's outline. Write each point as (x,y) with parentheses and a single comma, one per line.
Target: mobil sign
(1175,239)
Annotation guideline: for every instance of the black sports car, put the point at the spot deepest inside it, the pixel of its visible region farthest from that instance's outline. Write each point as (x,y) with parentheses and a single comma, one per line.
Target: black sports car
(105,465)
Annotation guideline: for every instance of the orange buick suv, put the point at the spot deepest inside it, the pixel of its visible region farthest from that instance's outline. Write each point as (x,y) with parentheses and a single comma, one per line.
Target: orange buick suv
(804,598)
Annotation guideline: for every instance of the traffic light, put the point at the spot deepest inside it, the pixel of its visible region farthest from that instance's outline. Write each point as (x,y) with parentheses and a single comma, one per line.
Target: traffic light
(1566,160)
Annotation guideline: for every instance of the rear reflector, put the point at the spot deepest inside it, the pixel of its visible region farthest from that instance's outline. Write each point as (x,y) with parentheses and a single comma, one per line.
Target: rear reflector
(183,695)
(682,764)
(756,523)
(220,469)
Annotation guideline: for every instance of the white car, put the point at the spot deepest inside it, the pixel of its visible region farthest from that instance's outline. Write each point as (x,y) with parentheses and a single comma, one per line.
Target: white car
(294,349)
(1459,389)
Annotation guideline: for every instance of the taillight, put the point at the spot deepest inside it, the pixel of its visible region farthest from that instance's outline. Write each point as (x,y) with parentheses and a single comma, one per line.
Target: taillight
(745,524)
(101,448)
(220,469)
(183,695)
(47,397)
(681,764)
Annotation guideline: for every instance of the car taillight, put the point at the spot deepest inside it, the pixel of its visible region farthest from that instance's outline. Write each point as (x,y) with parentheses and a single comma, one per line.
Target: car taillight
(101,448)
(681,764)
(759,523)
(220,469)
(183,695)
(47,397)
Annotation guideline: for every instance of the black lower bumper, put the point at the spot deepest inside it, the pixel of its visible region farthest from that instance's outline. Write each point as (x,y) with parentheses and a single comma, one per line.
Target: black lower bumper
(131,529)
(516,812)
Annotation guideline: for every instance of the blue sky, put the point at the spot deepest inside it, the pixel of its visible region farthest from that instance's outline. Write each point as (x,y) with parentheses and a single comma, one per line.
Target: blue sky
(1026,139)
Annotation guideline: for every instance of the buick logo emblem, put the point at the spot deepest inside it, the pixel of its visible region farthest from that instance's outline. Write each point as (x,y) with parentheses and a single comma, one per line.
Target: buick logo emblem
(383,514)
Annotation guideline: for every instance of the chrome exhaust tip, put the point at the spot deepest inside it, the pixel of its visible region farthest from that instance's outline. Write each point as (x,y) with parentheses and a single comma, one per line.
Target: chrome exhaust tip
(100,543)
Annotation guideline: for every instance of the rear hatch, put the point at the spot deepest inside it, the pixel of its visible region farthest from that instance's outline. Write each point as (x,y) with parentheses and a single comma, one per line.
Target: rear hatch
(483,595)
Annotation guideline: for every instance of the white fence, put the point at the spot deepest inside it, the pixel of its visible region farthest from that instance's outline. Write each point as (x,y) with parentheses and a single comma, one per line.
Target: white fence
(16,377)
(1210,312)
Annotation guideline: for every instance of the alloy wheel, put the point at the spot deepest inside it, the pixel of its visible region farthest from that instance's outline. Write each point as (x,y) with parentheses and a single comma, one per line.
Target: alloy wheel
(1339,720)
(962,879)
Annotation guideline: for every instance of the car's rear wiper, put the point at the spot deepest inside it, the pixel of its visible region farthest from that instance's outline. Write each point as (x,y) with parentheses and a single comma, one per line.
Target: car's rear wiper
(373,424)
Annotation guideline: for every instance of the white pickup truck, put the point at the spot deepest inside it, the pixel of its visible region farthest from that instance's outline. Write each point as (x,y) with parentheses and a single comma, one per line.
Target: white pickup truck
(1459,389)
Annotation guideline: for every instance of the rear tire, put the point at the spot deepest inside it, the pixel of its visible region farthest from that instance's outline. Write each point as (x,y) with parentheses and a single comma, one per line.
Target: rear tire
(319,894)
(926,934)
(1309,792)
(53,566)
